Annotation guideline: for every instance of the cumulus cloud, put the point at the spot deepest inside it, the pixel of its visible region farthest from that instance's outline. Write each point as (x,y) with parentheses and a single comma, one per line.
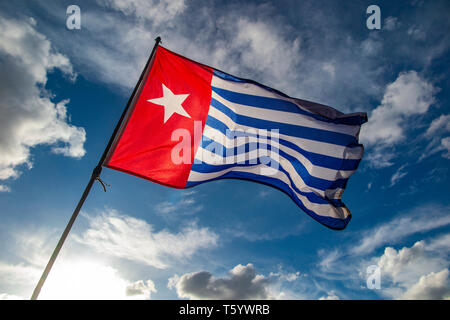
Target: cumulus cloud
(434,286)
(242,283)
(407,96)
(406,264)
(417,272)
(335,261)
(141,288)
(134,239)
(28,117)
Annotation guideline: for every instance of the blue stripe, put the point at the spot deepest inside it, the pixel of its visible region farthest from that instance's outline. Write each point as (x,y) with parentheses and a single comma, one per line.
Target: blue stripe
(262,102)
(309,180)
(312,197)
(315,158)
(282,105)
(330,222)
(287,129)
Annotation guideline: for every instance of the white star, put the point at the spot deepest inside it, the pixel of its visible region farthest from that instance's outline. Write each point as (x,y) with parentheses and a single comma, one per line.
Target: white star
(171,102)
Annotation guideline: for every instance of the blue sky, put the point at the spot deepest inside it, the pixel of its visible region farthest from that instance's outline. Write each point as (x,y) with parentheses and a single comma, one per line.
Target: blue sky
(63,91)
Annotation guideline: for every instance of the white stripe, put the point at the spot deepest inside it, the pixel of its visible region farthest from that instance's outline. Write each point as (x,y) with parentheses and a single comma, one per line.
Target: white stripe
(286,117)
(326,210)
(314,170)
(255,90)
(314,146)
(243,87)
(208,157)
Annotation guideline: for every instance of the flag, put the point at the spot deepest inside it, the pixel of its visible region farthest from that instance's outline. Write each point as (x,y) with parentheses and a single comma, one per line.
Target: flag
(190,123)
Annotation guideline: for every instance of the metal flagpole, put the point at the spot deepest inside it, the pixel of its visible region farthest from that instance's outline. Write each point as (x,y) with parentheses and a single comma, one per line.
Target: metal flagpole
(95,176)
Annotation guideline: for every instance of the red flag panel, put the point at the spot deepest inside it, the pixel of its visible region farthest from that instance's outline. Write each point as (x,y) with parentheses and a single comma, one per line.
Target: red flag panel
(179,91)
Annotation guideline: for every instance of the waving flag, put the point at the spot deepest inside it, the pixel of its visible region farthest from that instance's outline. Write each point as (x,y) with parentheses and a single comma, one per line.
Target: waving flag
(190,123)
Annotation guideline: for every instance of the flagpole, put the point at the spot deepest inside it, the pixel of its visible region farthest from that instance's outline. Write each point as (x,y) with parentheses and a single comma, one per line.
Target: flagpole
(94,176)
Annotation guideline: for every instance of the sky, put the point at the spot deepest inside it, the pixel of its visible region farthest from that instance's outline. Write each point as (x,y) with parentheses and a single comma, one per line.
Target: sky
(62,91)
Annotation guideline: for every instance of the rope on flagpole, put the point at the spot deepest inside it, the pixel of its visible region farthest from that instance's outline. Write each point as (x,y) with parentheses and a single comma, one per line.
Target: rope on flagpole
(94,176)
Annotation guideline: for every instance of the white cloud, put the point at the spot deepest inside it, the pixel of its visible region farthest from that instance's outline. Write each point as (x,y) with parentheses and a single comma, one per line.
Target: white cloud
(406,273)
(416,272)
(445,145)
(439,124)
(76,274)
(166,207)
(416,32)
(328,258)
(434,286)
(335,261)
(141,288)
(391,23)
(4,188)
(421,219)
(380,156)
(435,134)
(87,280)
(27,115)
(264,48)
(250,46)
(407,264)
(398,175)
(5,296)
(330,68)
(18,274)
(331,296)
(79,278)
(187,205)
(371,46)
(440,244)
(248,40)
(134,239)
(286,276)
(242,283)
(155,11)
(407,96)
